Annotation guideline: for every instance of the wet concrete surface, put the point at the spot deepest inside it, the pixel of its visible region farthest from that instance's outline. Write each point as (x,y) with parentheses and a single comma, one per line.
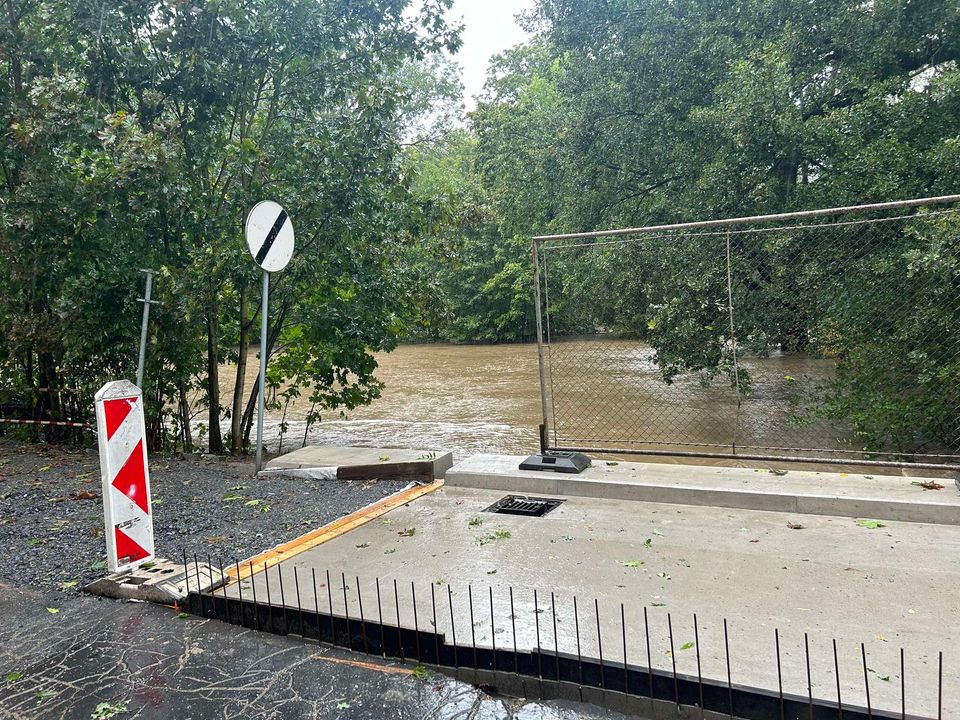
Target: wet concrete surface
(150,662)
(754,571)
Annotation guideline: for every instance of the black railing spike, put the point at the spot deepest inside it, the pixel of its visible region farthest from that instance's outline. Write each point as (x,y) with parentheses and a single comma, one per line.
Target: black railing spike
(623,632)
(776,637)
(333,627)
(556,642)
(283,599)
(513,625)
(940,687)
(836,672)
(266,582)
(603,674)
(256,606)
(453,628)
(436,629)
(903,688)
(316,599)
(196,570)
(186,572)
(223,587)
(416,621)
(696,642)
(673,660)
(726,647)
(346,612)
(646,631)
(473,626)
(866,678)
(576,627)
(806,655)
(240,593)
(396,603)
(296,584)
(383,637)
(363,620)
(493,631)
(536,621)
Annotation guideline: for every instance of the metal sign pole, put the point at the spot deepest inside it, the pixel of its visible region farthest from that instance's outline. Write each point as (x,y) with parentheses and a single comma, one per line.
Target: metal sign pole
(143,328)
(269,234)
(263,366)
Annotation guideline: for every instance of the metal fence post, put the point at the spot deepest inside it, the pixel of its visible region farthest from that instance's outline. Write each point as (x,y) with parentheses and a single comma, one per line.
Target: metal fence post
(538,310)
(147,302)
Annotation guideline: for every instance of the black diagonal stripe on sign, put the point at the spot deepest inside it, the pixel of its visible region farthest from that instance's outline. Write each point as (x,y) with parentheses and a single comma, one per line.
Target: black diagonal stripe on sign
(271,236)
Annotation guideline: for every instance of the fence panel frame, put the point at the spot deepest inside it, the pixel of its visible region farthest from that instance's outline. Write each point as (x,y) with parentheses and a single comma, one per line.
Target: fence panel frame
(548,426)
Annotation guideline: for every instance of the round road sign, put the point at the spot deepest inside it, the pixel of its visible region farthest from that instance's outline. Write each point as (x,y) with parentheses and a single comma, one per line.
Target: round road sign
(269,234)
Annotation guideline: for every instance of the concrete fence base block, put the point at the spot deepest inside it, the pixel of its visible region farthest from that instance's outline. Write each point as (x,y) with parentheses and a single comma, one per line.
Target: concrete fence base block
(162,581)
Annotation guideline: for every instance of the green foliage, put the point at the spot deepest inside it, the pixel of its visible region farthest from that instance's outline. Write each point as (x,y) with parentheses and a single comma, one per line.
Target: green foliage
(620,113)
(139,135)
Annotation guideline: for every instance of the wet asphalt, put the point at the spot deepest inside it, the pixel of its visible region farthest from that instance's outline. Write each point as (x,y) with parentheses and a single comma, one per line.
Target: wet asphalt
(65,654)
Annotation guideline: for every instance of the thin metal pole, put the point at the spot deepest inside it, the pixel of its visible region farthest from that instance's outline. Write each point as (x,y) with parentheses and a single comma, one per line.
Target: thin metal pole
(733,346)
(538,311)
(148,290)
(261,401)
(918,202)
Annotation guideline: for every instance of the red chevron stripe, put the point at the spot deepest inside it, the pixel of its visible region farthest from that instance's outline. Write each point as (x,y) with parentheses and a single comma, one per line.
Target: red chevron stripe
(115,412)
(127,550)
(130,480)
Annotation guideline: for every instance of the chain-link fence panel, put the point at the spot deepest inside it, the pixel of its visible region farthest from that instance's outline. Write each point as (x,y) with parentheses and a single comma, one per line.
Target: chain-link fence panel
(832,335)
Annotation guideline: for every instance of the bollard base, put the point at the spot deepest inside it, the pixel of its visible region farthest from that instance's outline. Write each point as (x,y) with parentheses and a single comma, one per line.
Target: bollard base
(162,581)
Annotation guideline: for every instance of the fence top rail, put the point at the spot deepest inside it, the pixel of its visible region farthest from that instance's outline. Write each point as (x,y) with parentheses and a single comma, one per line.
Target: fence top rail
(916,202)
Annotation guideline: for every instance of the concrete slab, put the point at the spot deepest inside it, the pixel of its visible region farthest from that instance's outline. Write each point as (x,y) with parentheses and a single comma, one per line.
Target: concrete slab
(819,493)
(888,587)
(360,463)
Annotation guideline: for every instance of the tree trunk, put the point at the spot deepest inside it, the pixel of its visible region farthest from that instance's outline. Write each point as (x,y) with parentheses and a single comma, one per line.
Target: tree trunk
(213,379)
(185,419)
(273,334)
(236,417)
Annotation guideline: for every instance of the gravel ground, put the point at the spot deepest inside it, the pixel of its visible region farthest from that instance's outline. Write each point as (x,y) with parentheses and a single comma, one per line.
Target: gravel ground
(51,511)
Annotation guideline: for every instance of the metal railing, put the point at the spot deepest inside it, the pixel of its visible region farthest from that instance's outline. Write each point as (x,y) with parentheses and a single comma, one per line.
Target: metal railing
(820,336)
(609,655)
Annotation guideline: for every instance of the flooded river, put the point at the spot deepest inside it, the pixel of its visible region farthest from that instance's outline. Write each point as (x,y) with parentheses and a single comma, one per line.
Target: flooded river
(486,398)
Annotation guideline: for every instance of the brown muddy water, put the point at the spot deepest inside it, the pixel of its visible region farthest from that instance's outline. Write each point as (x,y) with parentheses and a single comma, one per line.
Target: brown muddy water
(486,398)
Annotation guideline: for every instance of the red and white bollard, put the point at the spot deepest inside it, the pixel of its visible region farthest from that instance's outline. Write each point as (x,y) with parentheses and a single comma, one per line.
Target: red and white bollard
(124,475)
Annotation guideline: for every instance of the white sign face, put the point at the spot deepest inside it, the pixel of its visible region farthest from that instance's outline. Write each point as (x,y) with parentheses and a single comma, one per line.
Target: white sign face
(269,234)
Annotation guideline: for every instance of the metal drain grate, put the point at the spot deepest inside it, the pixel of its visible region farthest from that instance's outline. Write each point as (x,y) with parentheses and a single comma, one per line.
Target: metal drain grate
(522,505)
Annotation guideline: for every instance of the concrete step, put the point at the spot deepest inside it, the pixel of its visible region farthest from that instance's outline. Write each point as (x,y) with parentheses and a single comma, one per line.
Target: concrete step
(855,495)
(332,462)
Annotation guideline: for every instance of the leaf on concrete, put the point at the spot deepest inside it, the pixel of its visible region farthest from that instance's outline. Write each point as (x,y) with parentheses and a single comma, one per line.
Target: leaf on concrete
(631,563)
(686,646)
(108,710)
(870,524)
